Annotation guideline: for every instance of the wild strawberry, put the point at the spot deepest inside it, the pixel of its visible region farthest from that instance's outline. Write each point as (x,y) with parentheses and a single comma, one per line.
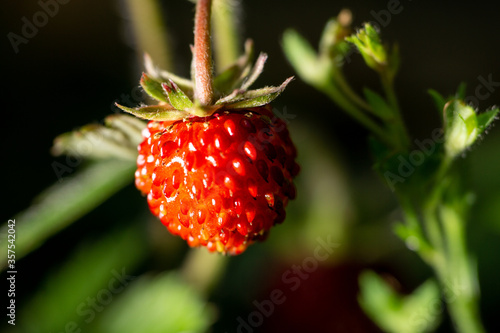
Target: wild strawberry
(217,174)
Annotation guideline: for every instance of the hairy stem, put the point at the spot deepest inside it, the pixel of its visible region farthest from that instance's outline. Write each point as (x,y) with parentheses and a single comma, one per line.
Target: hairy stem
(203,75)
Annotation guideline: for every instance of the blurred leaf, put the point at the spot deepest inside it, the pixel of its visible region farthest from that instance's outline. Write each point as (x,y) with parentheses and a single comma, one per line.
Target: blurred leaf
(378,104)
(66,201)
(438,99)
(305,60)
(323,207)
(85,284)
(157,304)
(117,139)
(393,312)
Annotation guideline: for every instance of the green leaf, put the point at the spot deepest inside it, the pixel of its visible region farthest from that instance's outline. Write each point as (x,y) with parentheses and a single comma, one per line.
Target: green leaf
(153,88)
(176,96)
(66,201)
(118,139)
(378,104)
(155,112)
(396,313)
(438,99)
(99,270)
(158,304)
(258,97)
(305,60)
(485,119)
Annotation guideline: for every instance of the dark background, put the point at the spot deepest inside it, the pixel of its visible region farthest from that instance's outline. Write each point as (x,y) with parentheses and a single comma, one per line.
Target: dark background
(76,66)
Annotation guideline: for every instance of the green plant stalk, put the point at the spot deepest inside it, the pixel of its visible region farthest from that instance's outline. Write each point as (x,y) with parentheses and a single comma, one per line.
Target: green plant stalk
(445,226)
(203,269)
(341,82)
(331,91)
(397,126)
(461,274)
(225,19)
(150,32)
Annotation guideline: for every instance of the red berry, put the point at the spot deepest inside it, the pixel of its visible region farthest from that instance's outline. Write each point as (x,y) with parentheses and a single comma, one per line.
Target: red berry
(220,181)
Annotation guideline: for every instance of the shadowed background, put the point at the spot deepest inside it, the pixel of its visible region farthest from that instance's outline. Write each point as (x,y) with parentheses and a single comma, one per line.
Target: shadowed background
(83,60)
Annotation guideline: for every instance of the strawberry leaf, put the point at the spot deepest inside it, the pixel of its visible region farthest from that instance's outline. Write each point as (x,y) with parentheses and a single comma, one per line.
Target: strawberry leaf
(155,112)
(176,96)
(379,106)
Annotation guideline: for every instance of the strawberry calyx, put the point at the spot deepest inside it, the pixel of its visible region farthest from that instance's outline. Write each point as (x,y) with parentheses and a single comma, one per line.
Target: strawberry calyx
(175,95)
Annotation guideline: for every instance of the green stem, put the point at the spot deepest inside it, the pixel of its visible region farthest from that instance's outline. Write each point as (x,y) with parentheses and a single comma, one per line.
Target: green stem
(225,19)
(150,31)
(397,126)
(203,269)
(341,82)
(445,226)
(461,275)
(331,91)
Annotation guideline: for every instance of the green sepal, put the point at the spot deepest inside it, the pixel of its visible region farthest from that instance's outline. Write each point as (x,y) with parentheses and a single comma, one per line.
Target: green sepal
(255,98)
(153,88)
(369,44)
(461,90)
(176,97)
(233,76)
(379,106)
(155,112)
(485,119)
(161,75)
(254,74)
